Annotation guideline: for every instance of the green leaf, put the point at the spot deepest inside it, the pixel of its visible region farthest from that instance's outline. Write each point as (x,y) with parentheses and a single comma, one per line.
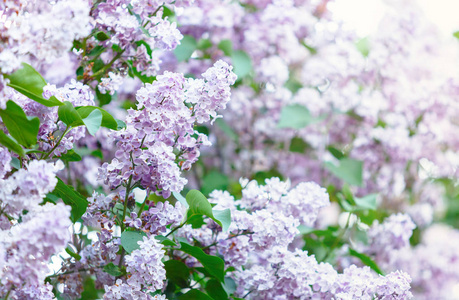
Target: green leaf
(72,198)
(194,295)
(107,119)
(101,36)
(24,129)
(242,63)
(226,46)
(120,124)
(68,114)
(227,129)
(70,155)
(366,260)
(215,290)
(30,83)
(93,121)
(177,272)
(72,254)
(186,48)
(214,181)
(15,163)
(204,44)
(89,290)
(11,144)
(349,170)
(296,116)
(112,270)
(367,202)
(213,264)
(335,152)
(130,239)
(104,99)
(199,205)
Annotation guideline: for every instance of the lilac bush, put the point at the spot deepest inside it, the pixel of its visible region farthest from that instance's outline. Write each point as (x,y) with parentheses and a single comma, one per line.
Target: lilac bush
(202,149)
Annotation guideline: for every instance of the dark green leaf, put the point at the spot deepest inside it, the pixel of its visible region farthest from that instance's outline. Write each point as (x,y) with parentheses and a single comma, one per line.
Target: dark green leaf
(29,82)
(70,155)
(177,272)
(296,116)
(366,260)
(165,241)
(335,152)
(349,170)
(93,121)
(129,240)
(298,145)
(11,144)
(213,264)
(186,48)
(242,63)
(226,46)
(72,254)
(194,295)
(215,290)
(24,129)
(101,36)
(68,114)
(107,119)
(89,290)
(104,99)
(72,198)
(112,270)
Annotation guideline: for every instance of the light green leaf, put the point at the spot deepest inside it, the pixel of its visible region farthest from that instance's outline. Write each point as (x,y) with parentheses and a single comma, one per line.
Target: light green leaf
(24,129)
(224,218)
(30,83)
(93,121)
(226,46)
(199,205)
(367,202)
(130,239)
(296,116)
(107,119)
(242,63)
(349,170)
(186,48)
(180,199)
(213,264)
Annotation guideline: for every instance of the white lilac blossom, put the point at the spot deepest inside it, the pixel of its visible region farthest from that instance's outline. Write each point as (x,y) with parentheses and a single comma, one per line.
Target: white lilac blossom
(110,84)
(163,124)
(33,292)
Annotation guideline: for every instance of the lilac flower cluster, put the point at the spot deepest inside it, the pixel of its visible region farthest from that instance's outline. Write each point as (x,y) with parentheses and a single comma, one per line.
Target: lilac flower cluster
(162,124)
(157,217)
(29,245)
(258,247)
